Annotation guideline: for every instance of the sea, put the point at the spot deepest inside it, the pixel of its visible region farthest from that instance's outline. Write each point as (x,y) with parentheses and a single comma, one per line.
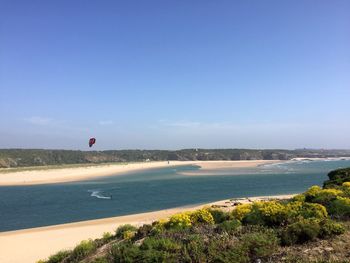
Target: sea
(31,206)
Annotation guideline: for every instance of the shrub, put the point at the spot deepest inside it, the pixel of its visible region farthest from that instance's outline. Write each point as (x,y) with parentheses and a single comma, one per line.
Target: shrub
(59,256)
(160,244)
(144,231)
(266,213)
(322,196)
(226,251)
(100,260)
(346,184)
(194,249)
(219,216)
(107,236)
(311,193)
(260,244)
(201,216)
(126,231)
(179,221)
(229,226)
(301,231)
(241,211)
(330,228)
(124,252)
(299,198)
(310,210)
(340,207)
(337,178)
(82,250)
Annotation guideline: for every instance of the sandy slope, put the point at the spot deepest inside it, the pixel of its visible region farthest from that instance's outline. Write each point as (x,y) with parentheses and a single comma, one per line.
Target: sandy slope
(83,173)
(30,245)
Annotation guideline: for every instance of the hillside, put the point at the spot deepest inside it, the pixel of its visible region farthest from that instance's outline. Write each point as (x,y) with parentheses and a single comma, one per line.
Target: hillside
(37,157)
(311,227)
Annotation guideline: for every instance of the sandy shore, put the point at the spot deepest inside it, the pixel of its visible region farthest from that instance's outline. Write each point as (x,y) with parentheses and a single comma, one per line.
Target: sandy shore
(39,243)
(50,176)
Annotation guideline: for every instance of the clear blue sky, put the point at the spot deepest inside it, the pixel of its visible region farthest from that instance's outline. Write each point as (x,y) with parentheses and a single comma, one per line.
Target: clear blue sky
(175,74)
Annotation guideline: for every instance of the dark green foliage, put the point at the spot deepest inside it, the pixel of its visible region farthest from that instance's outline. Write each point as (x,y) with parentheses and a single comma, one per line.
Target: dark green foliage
(85,248)
(156,249)
(164,244)
(260,244)
(143,231)
(300,232)
(194,249)
(124,231)
(58,257)
(229,226)
(100,260)
(124,252)
(219,215)
(340,208)
(224,250)
(330,228)
(337,178)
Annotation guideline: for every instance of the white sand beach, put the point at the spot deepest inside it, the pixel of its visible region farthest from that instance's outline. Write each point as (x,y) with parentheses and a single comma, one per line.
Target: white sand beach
(39,243)
(61,175)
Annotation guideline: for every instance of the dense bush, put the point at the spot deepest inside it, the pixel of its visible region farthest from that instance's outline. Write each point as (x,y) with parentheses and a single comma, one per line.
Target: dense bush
(126,231)
(85,248)
(340,207)
(194,249)
(179,221)
(241,211)
(330,228)
(322,196)
(266,213)
(219,216)
(124,252)
(59,256)
(260,244)
(229,226)
(225,250)
(201,216)
(301,231)
(337,178)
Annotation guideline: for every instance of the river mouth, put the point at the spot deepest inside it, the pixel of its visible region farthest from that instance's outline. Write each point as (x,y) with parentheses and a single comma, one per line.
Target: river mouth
(150,190)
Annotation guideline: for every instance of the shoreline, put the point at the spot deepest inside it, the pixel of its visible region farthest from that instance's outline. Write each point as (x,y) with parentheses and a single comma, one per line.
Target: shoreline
(41,242)
(65,175)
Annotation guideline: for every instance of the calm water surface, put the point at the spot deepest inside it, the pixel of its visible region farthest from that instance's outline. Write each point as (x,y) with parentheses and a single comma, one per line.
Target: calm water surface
(41,205)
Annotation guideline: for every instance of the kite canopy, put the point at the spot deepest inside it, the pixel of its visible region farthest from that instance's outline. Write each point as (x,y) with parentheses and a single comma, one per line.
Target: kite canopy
(92,141)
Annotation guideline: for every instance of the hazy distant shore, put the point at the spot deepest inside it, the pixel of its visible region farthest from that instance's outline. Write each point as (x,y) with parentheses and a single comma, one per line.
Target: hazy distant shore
(39,243)
(51,176)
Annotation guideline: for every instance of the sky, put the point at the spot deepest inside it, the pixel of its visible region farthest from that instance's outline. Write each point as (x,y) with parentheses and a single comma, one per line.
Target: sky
(175,74)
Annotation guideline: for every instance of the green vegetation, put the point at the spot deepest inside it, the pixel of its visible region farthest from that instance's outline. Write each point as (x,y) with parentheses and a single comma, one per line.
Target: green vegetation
(303,229)
(15,158)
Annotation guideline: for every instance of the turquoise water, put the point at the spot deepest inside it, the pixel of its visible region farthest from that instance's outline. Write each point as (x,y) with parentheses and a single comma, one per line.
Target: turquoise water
(42,205)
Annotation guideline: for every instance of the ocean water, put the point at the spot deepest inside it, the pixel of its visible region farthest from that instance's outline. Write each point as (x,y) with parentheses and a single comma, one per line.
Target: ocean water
(41,205)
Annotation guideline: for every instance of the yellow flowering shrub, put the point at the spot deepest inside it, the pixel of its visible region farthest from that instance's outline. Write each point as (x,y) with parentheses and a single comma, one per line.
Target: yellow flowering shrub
(311,210)
(312,192)
(299,197)
(322,196)
(241,211)
(201,216)
(267,213)
(182,220)
(346,184)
